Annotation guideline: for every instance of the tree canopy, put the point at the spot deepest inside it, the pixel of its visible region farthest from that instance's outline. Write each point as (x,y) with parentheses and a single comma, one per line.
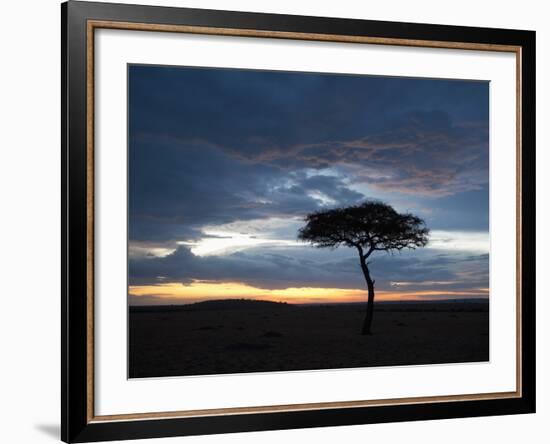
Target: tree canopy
(370,226)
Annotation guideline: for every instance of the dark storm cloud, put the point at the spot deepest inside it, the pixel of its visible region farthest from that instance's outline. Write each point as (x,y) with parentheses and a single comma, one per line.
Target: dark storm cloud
(264,269)
(176,188)
(283,268)
(254,113)
(259,114)
(457,270)
(208,146)
(422,154)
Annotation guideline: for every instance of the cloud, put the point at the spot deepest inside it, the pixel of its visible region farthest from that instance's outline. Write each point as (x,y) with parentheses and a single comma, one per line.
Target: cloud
(422,153)
(224,164)
(252,112)
(415,136)
(284,267)
(459,241)
(272,268)
(176,189)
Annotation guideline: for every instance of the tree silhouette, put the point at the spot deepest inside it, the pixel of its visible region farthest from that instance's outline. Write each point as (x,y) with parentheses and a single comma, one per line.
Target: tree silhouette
(369,227)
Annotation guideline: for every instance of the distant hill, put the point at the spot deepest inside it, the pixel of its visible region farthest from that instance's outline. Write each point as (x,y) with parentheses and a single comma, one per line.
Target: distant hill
(218,304)
(235,304)
(478,304)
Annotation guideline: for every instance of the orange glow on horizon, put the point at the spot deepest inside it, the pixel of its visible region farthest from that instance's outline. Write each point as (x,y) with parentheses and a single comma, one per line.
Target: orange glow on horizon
(178,293)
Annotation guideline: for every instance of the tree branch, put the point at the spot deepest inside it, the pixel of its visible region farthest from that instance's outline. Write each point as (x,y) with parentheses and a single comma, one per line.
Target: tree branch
(369,252)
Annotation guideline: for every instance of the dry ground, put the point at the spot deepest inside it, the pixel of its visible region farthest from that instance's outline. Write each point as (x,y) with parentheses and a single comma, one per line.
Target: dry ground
(230,337)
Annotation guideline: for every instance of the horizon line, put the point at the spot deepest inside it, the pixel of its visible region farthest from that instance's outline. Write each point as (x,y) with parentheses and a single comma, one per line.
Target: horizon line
(466,300)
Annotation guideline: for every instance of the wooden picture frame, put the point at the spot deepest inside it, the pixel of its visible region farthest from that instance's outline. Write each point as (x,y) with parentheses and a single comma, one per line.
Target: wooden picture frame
(79,22)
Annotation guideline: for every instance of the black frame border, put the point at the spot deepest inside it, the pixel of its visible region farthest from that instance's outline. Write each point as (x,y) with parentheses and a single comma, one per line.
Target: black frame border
(75,425)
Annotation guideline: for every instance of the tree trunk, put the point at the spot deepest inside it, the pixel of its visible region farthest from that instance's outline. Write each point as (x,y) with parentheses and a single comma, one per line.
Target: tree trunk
(370,302)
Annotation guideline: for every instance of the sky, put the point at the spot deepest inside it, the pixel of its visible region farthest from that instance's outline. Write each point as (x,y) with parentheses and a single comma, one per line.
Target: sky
(224,165)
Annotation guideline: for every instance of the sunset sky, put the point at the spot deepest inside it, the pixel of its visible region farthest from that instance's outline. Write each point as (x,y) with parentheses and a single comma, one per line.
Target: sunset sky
(224,165)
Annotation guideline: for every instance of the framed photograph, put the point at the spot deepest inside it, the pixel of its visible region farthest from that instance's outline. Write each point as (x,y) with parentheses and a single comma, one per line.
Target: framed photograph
(276,221)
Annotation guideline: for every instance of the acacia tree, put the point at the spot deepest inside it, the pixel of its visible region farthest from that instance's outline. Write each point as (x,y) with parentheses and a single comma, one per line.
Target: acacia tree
(368,227)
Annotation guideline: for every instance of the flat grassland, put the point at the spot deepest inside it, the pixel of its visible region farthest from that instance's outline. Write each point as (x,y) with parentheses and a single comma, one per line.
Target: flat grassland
(220,337)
